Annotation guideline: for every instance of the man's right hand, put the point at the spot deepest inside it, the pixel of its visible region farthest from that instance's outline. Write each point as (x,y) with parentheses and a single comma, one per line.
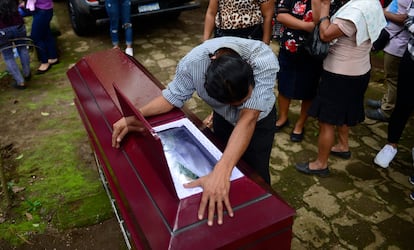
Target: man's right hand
(123,126)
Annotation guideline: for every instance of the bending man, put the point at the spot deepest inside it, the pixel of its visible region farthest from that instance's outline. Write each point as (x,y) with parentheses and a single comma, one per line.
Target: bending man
(236,77)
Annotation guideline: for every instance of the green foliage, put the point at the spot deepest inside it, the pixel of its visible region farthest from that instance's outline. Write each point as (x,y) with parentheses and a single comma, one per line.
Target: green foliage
(33,206)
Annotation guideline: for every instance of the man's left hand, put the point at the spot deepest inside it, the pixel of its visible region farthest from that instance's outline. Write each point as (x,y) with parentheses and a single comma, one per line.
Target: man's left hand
(216,187)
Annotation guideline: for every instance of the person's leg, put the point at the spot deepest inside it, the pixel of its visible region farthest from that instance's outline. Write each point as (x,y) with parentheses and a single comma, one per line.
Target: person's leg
(222,128)
(23,51)
(38,34)
(405,101)
(24,60)
(126,21)
(258,152)
(325,141)
(391,65)
(283,109)
(112,8)
(12,66)
(50,41)
(343,143)
(404,107)
(303,116)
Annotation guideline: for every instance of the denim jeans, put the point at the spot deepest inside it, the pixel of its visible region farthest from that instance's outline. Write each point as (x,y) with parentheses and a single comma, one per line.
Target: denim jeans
(42,35)
(15,32)
(119,11)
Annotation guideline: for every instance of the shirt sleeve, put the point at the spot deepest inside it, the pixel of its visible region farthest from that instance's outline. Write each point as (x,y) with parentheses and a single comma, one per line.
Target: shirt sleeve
(265,67)
(346,26)
(181,88)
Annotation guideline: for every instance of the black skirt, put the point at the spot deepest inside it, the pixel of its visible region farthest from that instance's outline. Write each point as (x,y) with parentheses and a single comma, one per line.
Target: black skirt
(299,75)
(340,99)
(254,32)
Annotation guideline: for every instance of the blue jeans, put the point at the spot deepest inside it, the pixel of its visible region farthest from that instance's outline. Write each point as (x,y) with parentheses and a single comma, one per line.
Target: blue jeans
(15,32)
(119,11)
(42,35)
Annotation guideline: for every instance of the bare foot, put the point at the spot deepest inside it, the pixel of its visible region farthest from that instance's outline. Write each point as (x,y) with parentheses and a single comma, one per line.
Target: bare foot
(44,67)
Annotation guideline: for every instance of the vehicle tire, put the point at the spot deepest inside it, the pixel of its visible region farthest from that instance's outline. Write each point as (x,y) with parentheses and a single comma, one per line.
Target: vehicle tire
(82,24)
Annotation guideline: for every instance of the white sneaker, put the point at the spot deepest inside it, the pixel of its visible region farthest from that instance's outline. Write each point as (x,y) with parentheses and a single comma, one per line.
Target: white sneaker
(129,51)
(385,156)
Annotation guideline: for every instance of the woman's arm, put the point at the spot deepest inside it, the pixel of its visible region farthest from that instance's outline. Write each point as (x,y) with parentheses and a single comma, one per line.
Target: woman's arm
(209,23)
(292,22)
(268,11)
(327,30)
(395,18)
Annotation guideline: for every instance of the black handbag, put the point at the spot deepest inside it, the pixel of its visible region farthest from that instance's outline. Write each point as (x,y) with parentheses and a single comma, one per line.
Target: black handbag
(383,39)
(315,46)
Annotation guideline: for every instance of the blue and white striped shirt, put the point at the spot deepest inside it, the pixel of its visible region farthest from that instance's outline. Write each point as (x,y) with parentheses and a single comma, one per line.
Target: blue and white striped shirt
(191,70)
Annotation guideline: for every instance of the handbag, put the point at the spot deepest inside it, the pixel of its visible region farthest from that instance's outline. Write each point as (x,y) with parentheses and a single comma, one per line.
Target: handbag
(315,46)
(383,39)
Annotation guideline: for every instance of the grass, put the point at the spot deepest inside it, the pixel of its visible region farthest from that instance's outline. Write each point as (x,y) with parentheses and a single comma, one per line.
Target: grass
(52,161)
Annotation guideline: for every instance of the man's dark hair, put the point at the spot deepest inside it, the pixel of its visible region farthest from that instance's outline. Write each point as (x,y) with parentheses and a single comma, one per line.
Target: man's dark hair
(228,78)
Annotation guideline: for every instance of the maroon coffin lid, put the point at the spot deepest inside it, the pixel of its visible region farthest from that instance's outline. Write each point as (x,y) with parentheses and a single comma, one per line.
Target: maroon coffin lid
(153,142)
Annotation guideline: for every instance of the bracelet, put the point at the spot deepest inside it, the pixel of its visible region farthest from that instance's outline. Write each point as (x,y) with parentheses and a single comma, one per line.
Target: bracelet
(324,18)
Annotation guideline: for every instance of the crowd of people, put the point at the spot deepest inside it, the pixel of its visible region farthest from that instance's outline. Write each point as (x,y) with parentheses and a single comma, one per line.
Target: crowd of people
(236,72)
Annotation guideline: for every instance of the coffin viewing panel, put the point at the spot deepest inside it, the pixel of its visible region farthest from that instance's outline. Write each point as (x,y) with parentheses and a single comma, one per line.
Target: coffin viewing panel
(146,175)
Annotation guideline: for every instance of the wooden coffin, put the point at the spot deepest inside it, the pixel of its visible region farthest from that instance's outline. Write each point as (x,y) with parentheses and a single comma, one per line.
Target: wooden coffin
(152,214)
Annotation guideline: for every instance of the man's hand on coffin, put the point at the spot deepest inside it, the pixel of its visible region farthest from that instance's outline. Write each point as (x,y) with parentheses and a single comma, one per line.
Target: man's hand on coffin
(208,121)
(123,126)
(216,187)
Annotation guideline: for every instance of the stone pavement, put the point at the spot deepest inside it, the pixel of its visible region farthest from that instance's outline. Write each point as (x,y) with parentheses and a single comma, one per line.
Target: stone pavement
(359,206)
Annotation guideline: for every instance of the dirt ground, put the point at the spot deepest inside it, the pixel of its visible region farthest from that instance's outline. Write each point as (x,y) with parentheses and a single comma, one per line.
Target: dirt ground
(105,235)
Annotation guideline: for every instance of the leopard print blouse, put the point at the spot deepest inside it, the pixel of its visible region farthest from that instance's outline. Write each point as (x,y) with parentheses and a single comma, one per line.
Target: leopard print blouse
(238,14)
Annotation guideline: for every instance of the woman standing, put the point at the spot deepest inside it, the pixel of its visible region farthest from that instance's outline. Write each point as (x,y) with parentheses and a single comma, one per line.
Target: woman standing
(42,35)
(242,18)
(299,72)
(12,27)
(339,102)
(404,106)
(119,11)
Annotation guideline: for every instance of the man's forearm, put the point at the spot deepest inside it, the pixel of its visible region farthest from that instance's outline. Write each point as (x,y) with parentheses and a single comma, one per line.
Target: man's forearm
(239,139)
(157,106)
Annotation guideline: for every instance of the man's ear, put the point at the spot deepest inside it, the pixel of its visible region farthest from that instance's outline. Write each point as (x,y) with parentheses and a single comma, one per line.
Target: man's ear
(212,56)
